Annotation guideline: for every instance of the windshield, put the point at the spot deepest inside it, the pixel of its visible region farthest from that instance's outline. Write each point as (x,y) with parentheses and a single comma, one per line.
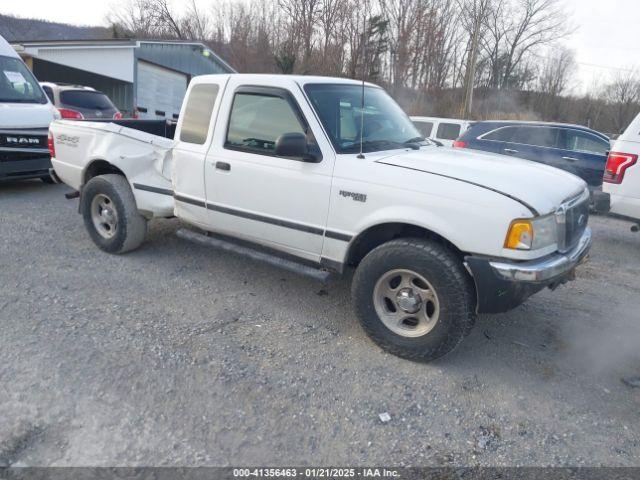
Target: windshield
(17,84)
(88,99)
(386,126)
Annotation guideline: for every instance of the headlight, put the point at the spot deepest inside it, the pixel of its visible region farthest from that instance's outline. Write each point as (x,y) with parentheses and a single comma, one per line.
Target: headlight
(532,234)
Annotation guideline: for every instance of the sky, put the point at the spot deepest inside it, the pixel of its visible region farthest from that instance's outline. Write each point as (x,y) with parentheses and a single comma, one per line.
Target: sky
(606,40)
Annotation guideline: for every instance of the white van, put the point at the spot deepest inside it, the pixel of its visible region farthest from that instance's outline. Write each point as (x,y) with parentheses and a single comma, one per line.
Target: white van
(444,130)
(25,115)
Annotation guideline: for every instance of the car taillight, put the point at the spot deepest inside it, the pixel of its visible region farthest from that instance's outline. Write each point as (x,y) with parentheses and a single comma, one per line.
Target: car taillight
(117,116)
(70,114)
(51,145)
(617,165)
(459,144)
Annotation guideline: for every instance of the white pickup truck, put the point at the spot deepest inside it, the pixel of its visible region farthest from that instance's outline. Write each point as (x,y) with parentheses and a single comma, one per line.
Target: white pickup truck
(622,175)
(294,165)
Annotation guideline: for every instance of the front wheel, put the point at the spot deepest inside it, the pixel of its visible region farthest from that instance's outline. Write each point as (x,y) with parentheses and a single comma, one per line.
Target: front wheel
(414,298)
(110,214)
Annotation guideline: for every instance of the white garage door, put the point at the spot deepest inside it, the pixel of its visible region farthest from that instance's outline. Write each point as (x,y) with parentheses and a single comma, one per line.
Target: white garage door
(160,91)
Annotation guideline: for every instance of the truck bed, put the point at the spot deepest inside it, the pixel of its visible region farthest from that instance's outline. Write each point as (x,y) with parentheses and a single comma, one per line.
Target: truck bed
(145,158)
(161,128)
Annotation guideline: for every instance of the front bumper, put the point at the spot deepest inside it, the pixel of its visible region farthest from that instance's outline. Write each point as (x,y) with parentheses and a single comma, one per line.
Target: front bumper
(503,285)
(20,169)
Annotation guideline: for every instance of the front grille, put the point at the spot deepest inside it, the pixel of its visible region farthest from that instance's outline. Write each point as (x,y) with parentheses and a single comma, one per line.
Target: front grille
(575,216)
(7,156)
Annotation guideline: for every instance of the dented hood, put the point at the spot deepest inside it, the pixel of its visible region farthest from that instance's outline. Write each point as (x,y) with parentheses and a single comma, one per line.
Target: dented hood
(539,187)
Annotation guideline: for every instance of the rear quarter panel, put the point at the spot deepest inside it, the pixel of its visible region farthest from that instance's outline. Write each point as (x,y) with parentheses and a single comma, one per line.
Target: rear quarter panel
(143,158)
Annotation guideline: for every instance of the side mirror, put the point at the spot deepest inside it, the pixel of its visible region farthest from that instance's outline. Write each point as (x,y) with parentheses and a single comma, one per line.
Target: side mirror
(294,145)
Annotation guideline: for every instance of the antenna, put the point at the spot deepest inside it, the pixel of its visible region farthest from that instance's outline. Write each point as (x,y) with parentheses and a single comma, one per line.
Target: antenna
(364,63)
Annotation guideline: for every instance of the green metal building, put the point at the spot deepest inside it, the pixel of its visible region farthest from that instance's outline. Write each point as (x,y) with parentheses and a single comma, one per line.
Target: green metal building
(147,76)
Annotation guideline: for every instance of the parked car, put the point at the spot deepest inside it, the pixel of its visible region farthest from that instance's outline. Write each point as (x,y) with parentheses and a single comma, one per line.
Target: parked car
(25,114)
(575,149)
(622,174)
(77,102)
(444,130)
(435,235)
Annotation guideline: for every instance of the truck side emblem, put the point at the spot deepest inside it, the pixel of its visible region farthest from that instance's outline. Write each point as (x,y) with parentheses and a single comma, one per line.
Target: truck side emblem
(67,140)
(358,197)
(23,140)
(582,219)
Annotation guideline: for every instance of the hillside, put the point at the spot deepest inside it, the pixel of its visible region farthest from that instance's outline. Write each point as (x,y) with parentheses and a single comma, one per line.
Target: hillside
(17,28)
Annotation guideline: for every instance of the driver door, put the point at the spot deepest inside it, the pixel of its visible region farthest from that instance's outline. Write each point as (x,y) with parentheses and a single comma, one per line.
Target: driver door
(255,194)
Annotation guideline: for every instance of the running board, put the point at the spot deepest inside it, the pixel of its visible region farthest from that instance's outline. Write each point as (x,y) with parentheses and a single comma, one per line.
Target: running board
(322,276)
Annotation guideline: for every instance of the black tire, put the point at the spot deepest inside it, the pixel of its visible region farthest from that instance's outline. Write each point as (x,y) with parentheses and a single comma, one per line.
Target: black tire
(131,227)
(446,274)
(48,180)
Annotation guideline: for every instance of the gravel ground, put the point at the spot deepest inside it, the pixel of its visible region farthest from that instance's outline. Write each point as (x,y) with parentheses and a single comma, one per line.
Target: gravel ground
(176,355)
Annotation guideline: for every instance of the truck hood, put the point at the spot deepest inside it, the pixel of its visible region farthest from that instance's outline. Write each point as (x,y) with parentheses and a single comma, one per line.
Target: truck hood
(539,187)
(25,115)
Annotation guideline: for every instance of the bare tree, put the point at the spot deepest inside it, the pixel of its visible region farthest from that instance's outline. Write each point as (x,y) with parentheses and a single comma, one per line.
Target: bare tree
(553,81)
(623,96)
(526,25)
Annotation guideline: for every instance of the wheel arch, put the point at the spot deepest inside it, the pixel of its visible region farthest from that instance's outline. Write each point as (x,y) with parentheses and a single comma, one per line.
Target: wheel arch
(378,234)
(97,167)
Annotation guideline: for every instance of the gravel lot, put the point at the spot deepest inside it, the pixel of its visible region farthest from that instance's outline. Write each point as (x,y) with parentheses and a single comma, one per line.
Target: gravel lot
(176,355)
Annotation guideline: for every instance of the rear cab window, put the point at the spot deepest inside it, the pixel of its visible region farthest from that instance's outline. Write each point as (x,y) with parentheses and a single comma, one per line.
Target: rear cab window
(197,113)
(448,131)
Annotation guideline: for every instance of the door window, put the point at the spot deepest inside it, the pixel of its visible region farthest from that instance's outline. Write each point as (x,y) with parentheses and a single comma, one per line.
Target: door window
(197,113)
(503,134)
(257,120)
(425,128)
(49,93)
(584,142)
(538,137)
(448,131)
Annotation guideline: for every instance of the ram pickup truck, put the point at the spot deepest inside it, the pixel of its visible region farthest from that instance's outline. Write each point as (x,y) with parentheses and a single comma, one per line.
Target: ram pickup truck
(299,174)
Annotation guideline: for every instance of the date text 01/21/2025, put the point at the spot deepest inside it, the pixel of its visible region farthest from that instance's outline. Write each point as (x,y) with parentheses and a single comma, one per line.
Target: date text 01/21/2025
(315,472)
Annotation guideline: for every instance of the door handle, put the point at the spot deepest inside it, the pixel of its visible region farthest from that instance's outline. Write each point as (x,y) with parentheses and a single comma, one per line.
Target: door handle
(223,166)
(510,150)
(570,159)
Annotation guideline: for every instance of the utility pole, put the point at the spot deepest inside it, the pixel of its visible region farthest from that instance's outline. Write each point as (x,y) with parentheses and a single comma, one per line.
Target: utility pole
(470,74)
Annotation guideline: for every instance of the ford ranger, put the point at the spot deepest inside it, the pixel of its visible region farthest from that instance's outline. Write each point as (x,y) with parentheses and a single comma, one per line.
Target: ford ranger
(316,179)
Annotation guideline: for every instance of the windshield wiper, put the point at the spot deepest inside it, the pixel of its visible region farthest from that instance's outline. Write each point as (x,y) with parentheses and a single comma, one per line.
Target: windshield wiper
(415,140)
(373,144)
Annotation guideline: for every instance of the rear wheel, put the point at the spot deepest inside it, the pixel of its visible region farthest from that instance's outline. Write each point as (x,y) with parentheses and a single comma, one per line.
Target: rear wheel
(111,215)
(414,298)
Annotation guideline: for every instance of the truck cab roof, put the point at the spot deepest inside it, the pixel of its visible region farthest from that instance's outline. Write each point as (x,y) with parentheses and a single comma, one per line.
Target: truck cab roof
(274,79)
